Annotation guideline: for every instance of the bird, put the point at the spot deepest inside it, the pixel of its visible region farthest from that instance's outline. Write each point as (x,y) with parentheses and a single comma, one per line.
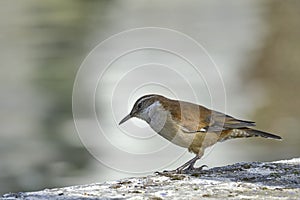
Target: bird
(190,125)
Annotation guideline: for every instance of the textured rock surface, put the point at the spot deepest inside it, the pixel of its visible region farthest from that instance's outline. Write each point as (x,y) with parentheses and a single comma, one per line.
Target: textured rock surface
(256,180)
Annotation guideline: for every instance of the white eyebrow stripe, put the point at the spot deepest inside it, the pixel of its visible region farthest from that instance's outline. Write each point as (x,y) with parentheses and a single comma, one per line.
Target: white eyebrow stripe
(148,97)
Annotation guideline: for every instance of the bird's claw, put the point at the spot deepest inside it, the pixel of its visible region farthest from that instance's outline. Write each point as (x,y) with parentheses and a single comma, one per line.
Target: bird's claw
(193,169)
(169,172)
(180,170)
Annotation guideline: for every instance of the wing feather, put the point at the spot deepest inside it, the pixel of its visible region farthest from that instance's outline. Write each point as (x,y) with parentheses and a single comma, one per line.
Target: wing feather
(208,120)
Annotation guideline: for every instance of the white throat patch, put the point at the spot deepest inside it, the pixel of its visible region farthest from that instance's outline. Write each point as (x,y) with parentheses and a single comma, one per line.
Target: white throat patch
(158,116)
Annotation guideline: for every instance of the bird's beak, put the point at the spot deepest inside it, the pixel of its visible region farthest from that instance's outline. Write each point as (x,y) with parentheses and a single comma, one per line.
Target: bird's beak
(125,119)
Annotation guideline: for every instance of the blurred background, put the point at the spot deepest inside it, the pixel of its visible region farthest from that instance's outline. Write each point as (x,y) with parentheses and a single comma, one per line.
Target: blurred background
(254,43)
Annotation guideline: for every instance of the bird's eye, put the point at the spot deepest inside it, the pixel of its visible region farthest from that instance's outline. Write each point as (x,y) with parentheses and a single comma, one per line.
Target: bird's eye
(139,106)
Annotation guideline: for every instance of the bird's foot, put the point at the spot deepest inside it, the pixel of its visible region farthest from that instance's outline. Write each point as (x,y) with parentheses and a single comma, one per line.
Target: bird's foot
(181,170)
(168,172)
(191,168)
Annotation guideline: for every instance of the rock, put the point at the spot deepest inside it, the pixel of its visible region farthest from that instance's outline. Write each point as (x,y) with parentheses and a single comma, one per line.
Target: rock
(252,180)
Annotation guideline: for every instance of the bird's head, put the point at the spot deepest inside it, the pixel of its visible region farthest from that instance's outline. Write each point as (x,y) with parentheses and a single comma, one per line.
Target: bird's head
(142,107)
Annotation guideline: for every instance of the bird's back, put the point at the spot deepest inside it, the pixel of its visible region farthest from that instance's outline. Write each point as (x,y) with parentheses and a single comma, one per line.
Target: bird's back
(196,118)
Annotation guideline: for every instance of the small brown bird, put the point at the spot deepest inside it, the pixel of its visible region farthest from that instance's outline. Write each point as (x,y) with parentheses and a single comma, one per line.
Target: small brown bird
(190,125)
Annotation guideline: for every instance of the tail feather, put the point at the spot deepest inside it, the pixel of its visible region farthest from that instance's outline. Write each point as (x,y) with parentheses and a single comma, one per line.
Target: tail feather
(246,132)
(263,134)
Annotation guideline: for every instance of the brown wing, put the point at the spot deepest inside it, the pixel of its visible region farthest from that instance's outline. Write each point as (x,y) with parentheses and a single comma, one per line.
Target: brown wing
(226,122)
(189,116)
(194,118)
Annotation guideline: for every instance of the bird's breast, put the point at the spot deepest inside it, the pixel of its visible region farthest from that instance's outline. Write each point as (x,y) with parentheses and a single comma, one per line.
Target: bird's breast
(172,132)
(162,123)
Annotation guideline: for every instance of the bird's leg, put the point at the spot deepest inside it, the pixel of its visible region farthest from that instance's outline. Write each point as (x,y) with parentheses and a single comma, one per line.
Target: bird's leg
(192,168)
(193,161)
(182,167)
(189,164)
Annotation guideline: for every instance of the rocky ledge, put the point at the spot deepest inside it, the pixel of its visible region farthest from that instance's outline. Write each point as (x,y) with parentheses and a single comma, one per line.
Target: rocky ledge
(252,180)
